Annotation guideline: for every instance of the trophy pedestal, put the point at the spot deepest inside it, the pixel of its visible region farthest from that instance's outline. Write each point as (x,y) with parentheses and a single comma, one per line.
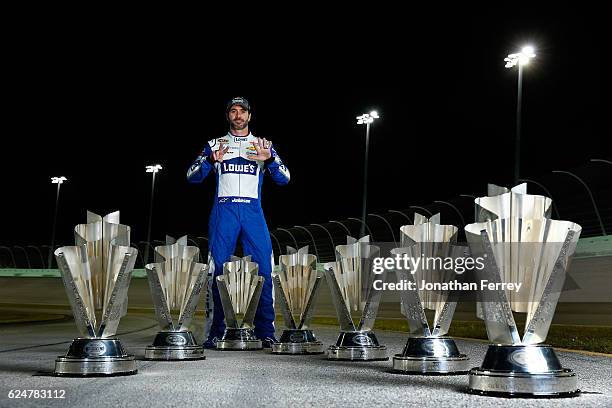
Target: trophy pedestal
(431,355)
(357,346)
(239,339)
(522,371)
(171,345)
(95,357)
(298,341)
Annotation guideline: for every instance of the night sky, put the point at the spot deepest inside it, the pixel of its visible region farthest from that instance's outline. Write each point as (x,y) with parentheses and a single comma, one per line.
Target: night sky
(98,108)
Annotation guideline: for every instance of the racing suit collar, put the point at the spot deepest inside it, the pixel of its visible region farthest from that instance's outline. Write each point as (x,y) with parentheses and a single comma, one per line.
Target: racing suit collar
(238,138)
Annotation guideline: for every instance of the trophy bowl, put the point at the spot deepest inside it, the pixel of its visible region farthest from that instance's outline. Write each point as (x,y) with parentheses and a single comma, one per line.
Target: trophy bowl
(350,280)
(520,243)
(429,351)
(240,287)
(176,282)
(297,286)
(96,273)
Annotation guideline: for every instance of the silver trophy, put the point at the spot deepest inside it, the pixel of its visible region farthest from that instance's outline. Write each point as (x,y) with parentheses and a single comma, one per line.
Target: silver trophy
(350,281)
(429,350)
(297,285)
(176,281)
(96,273)
(239,288)
(520,244)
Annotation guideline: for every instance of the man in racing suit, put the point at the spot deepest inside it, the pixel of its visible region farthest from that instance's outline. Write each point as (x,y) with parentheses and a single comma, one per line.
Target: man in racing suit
(239,161)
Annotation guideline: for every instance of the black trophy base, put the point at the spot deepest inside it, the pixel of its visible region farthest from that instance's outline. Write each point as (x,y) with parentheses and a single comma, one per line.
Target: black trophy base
(357,346)
(93,357)
(523,371)
(298,341)
(431,356)
(174,346)
(239,340)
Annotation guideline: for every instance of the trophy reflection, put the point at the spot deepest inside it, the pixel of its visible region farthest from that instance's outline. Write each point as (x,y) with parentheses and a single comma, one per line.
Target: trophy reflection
(429,350)
(176,281)
(96,273)
(350,281)
(239,288)
(297,285)
(521,244)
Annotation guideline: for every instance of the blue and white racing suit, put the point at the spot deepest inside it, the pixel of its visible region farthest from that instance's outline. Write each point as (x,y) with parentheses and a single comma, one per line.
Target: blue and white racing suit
(237,213)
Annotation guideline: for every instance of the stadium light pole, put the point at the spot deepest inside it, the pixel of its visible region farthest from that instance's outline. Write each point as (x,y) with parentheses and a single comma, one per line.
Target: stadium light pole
(521,59)
(153,169)
(601,224)
(364,227)
(59,181)
(365,119)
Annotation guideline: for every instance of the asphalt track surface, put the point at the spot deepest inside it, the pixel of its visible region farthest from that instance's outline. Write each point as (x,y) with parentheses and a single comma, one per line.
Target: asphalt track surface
(257,378)
(28,352)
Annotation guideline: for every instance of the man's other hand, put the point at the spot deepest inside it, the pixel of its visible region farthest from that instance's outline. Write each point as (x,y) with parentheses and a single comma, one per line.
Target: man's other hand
(263,148)
(217,155)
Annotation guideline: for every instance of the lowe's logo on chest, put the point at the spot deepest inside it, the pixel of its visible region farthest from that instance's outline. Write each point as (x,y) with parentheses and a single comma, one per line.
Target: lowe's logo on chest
(238,168)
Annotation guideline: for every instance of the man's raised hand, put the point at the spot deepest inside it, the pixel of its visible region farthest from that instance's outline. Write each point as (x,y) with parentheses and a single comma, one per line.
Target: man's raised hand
(263,148)
(217,155)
